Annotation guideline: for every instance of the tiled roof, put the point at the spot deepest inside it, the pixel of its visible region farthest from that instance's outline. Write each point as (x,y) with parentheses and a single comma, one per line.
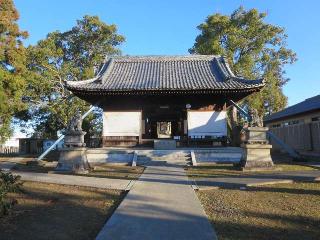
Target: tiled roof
(161,73)
(307,105)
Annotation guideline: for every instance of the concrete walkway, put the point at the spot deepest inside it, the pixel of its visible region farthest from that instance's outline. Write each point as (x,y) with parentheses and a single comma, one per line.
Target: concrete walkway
(161,205)
(104,183)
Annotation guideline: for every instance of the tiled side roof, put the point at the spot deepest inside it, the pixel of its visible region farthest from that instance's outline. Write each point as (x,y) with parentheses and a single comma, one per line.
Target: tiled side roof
(154,73)
(307,105)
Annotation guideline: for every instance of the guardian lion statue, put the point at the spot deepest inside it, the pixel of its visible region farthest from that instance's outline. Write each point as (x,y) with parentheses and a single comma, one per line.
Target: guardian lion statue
(256,120)
(75,123)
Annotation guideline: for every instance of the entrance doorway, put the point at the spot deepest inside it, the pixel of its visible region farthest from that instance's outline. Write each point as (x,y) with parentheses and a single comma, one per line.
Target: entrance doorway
(164,130)
(163,123)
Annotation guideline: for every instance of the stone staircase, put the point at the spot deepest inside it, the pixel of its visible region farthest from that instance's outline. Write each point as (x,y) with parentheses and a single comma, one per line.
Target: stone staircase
(218,155)
(163,157)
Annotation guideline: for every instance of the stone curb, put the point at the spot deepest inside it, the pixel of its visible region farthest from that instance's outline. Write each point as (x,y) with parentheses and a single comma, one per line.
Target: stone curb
(230,185)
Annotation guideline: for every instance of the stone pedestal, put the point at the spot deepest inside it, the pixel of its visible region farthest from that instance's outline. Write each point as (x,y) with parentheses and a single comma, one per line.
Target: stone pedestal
(256,150)
(74,139)
(256,135)
(256,157)
(73,157)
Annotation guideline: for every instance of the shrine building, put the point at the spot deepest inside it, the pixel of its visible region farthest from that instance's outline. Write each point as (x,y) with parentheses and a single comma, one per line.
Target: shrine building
(147,98)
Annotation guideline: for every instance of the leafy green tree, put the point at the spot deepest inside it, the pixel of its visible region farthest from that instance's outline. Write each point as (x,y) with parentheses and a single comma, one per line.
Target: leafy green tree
(12,66)
(253,48)
(72,55)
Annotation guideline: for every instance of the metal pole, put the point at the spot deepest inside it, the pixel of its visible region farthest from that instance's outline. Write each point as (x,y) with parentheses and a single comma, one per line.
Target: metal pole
(286,147)
(62,137)
(241,110)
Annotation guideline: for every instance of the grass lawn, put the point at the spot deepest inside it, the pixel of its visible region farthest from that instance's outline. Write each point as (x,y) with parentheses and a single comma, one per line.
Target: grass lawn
(16,159)
(282,211)
(50,211)
(33,166)
(222,170)
(103,171)
(117,172)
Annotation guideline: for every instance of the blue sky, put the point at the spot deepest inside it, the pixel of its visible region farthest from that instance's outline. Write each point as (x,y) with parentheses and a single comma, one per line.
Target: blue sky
(168,27)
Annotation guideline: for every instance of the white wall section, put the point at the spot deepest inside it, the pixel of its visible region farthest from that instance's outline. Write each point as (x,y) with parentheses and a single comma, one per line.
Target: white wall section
(207,123)
(121,123)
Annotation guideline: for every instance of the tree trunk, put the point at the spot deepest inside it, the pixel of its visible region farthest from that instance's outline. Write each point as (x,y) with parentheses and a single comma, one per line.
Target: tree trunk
(235,134)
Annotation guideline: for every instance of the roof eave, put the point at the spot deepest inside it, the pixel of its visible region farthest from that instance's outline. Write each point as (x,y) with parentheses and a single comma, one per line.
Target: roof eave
(281,118)
(163,91)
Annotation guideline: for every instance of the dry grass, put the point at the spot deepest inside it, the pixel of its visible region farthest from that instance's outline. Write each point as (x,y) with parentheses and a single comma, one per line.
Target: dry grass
(282,211)
(16,159)
(35,166)
(49,211)
(224,170)
(117,172)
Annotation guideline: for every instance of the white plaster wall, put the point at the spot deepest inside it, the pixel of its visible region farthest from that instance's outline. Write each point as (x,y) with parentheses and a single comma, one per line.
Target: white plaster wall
(207,123)
(121,123)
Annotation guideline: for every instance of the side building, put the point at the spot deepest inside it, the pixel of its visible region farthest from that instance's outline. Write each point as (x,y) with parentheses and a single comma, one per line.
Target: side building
(183,98)
(298,125)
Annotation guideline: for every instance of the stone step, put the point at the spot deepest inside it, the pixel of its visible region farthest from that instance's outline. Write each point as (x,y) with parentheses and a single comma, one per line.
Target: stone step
(216,156)
(165,157)
(150,159)
(144,159)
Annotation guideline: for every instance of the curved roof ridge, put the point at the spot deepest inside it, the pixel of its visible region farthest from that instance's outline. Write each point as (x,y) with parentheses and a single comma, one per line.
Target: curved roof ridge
(104,67)
(227,66)
(249,81)
(77,83)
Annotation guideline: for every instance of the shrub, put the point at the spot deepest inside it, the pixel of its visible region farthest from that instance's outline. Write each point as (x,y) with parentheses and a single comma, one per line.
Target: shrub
(8,183)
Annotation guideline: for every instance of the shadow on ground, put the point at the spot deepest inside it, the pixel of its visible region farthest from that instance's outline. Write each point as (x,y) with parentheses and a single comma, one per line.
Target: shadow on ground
(48,211)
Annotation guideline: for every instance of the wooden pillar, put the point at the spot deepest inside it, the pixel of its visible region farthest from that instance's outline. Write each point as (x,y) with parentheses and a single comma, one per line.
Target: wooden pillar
(142,128)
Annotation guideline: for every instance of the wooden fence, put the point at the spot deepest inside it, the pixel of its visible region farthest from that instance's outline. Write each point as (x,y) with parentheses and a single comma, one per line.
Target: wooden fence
(9,150)
(302,137)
